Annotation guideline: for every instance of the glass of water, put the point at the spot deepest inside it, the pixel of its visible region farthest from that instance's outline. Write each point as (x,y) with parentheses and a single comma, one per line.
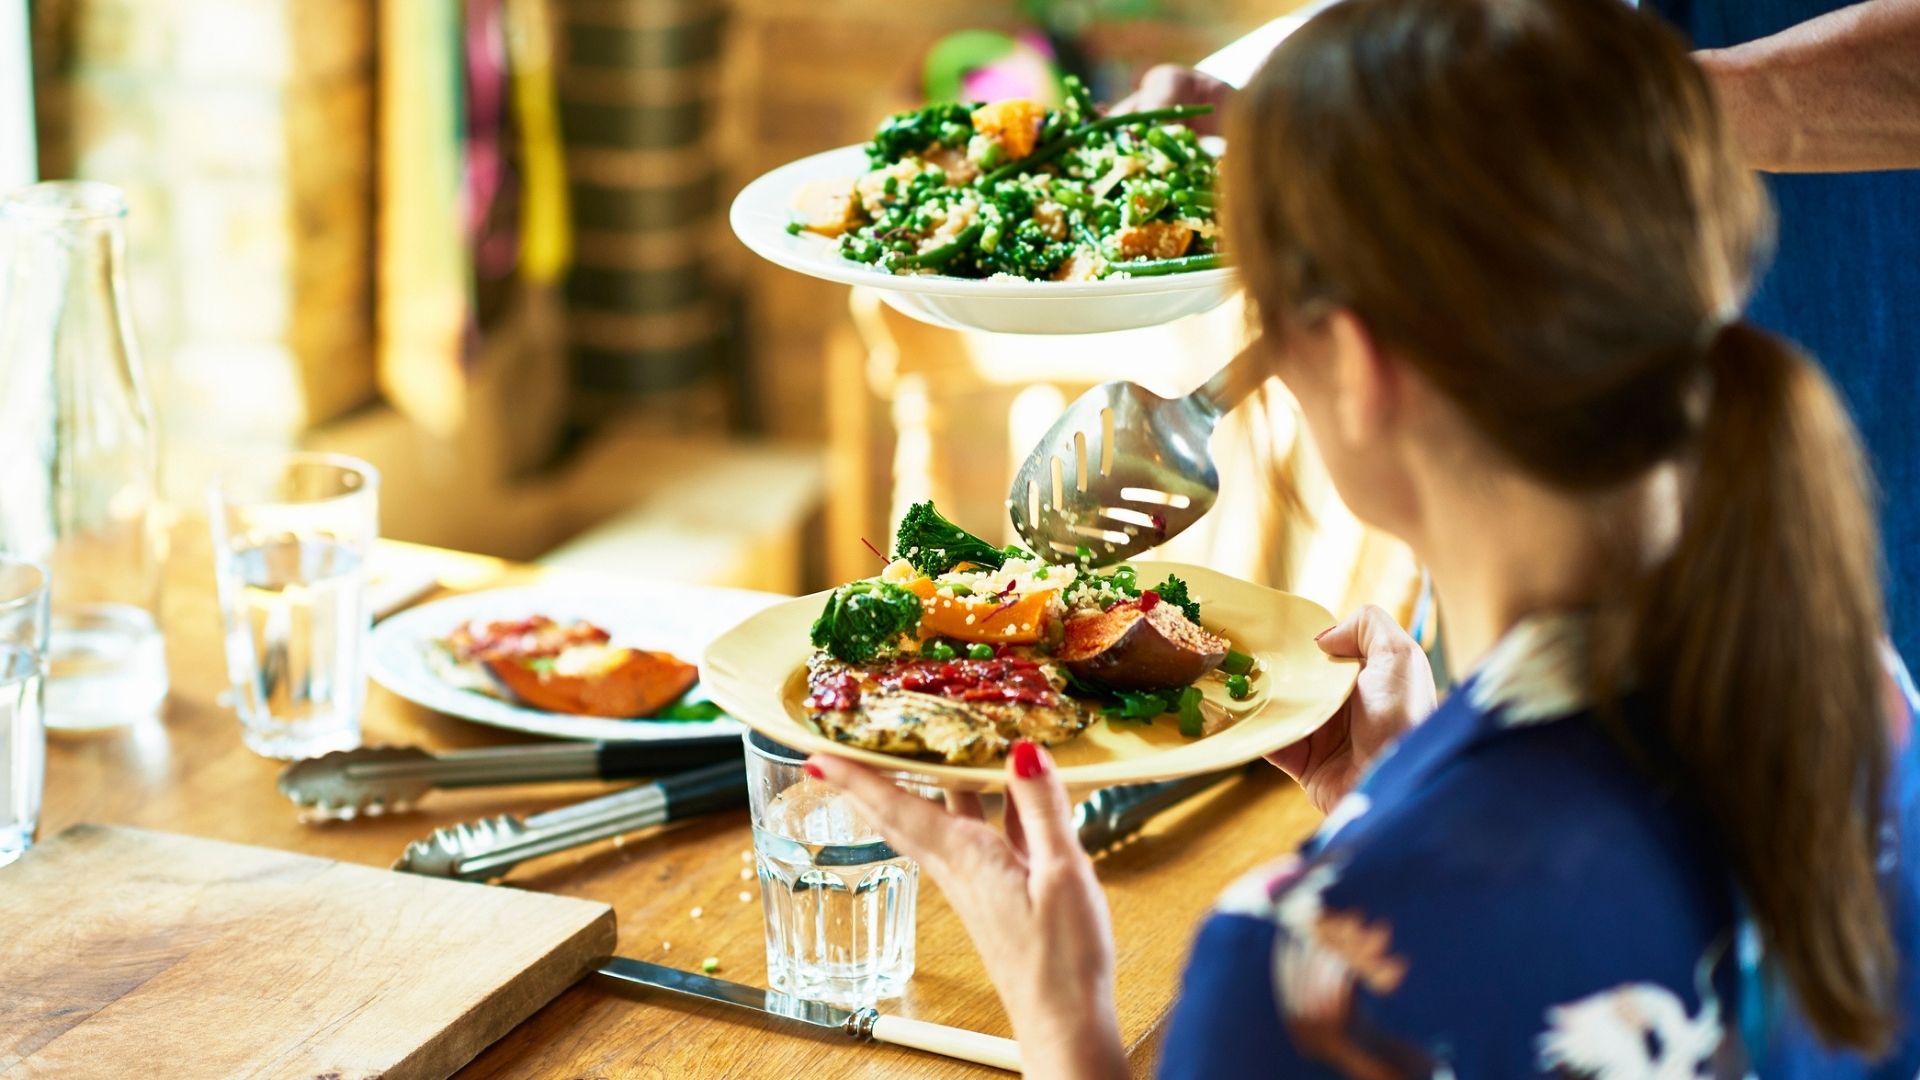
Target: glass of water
(23,670)
(839,901)
(291,539)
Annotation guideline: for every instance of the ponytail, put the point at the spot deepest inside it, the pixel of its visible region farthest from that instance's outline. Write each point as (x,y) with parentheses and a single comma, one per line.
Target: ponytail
(1759,639)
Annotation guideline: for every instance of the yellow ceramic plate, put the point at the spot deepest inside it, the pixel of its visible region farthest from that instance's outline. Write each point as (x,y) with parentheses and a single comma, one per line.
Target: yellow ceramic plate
(756,671)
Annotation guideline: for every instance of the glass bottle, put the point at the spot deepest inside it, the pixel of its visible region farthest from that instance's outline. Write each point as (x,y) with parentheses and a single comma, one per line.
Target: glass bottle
(79,483)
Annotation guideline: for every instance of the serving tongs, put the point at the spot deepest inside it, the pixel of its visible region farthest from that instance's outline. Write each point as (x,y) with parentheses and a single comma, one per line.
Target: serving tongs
(1114,814)
(487,849)
(386,779)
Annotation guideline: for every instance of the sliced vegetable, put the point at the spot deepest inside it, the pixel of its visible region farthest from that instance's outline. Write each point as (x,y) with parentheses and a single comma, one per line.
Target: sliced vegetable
(595,680)
(1237,663)
(1143,645)
(1192,724)
(1021,621)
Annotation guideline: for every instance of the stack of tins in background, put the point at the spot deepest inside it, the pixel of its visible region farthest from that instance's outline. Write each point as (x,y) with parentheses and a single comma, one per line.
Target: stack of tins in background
(647,318)
(243,137)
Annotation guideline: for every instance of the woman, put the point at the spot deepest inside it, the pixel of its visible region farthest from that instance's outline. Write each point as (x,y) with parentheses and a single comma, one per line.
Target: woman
(1498,249)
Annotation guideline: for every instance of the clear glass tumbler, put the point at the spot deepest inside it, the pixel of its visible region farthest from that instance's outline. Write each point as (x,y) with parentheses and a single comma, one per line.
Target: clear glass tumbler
(839,901)
(291,539)
(23,668)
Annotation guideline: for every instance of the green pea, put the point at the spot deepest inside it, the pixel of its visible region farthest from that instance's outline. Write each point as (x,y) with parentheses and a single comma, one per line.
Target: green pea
(939,650)
(1237,688)
(979,650)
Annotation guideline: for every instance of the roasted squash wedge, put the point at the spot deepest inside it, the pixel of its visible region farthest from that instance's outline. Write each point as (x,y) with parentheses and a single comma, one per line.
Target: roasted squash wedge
(971,618)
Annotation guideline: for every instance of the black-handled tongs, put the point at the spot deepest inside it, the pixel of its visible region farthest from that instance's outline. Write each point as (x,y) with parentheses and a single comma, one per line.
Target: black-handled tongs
(485,850)
(384,779)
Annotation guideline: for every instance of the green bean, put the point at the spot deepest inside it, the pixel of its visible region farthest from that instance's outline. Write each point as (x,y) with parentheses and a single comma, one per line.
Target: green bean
(1161,267)
(934,258)
(1079,134)
(1165,143)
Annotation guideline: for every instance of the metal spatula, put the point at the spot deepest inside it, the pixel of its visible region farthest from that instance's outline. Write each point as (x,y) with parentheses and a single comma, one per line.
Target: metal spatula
(1124,470)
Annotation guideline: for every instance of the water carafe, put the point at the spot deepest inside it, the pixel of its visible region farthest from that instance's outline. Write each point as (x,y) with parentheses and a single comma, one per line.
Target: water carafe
(79,486)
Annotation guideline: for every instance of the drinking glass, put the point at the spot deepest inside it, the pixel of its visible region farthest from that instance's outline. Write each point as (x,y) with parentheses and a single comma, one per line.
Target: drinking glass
(23,669)
(839,901)
(291,539)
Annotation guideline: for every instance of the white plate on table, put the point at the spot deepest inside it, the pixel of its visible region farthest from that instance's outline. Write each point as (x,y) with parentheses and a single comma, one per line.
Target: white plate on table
(679,619)
(762,209)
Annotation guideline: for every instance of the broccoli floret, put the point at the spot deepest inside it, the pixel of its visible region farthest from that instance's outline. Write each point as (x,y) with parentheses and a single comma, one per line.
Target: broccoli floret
(1174,591)
(947,124)
(935,545)
(864,619)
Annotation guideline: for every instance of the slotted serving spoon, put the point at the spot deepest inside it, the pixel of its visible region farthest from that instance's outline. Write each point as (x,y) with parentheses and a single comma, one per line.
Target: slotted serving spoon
(1125,470)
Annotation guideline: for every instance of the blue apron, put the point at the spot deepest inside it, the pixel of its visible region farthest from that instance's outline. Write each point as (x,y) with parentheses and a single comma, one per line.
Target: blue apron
(1845,284)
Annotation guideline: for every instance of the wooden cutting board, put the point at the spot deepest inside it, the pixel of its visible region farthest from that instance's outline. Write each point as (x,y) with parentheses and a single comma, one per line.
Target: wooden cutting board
(133,953)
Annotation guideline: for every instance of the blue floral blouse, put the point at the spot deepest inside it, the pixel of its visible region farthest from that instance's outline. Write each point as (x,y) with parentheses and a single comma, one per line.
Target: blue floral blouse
(1505,895)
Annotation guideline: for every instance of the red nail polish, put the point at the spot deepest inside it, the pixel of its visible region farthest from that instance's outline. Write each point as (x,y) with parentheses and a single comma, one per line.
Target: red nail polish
(814,771)
(1027,762)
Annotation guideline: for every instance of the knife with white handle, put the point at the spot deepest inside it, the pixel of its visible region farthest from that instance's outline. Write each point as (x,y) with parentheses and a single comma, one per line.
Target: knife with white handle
(864,1025)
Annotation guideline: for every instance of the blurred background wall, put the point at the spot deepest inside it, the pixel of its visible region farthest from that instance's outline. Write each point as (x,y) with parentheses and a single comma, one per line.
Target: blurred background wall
(483,243)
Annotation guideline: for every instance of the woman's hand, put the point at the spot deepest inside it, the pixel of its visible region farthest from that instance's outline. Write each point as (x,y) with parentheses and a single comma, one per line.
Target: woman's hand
(1171,84)
(1394,692)
(1028,898)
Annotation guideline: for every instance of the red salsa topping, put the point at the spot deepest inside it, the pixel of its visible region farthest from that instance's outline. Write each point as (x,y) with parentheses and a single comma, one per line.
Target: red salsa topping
(1003,678)
(833,691)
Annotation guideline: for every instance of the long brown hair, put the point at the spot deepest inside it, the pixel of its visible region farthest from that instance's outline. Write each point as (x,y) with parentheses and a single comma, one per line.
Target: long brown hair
(1535,203)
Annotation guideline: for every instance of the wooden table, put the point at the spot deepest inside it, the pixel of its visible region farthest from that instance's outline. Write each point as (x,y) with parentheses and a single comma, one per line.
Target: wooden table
(189,773)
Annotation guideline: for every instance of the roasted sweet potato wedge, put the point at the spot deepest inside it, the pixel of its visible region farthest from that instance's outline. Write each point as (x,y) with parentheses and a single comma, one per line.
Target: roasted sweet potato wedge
(618,683)
(1144,645)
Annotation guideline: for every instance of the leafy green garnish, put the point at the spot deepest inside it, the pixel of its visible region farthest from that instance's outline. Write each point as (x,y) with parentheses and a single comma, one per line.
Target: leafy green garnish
(1174,591)
(1137,705)
(690,710)
(1144,705)
(541,664)
(864,619)
(935,545)
(946,124)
